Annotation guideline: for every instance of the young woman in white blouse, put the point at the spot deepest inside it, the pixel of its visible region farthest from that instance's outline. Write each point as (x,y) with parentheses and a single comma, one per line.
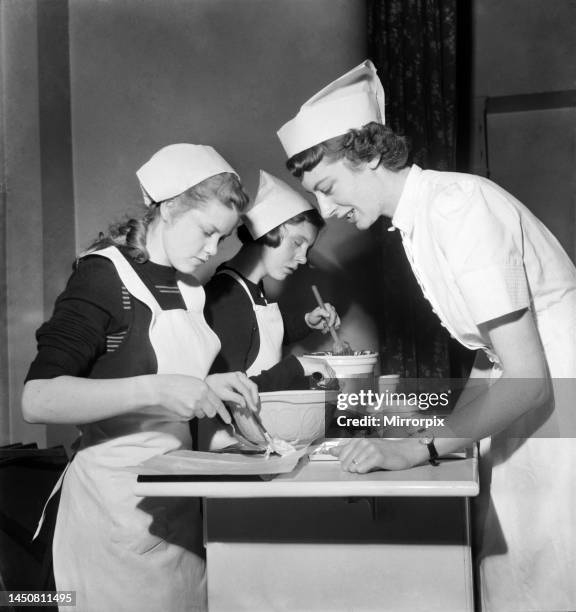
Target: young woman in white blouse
(502,285)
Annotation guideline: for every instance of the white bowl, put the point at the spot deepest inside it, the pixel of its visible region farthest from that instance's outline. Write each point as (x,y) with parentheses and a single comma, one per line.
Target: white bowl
(297,417)
(354,372)
(349,366)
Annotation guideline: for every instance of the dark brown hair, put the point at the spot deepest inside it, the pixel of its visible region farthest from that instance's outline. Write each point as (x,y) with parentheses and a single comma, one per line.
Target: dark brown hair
(372,141)
(274,237)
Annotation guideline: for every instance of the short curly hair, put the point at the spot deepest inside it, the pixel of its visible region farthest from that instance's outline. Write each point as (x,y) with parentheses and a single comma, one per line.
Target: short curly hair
(358,145)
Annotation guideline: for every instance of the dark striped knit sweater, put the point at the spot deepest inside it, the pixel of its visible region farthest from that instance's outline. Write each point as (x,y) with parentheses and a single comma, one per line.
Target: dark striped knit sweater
(93,314)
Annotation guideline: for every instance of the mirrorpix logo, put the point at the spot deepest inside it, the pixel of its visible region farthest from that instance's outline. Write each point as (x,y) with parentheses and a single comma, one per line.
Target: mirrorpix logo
(391,400)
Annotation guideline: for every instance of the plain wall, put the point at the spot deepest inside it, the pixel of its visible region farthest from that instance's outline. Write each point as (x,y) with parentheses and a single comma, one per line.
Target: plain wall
(40,240)
(517,47)
(219,72)
(523,46)
(24,273)
(223,72)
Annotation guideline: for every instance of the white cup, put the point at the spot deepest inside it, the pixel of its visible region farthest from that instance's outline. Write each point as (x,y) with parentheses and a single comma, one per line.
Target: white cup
(388,382)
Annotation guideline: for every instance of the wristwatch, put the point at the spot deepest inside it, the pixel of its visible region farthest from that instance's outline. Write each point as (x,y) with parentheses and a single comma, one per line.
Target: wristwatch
(428,441)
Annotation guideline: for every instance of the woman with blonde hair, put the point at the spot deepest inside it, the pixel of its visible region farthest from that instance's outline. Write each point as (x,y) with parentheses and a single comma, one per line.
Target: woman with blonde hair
(125,357)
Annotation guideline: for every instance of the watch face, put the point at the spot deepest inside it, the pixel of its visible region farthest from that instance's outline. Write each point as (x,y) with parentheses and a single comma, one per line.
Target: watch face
(427,440)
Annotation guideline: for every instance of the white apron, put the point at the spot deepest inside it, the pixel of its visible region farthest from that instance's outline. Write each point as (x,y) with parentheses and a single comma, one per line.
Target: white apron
(525,514)
(271,332)
(527,523)
(477,253)
(120,552)
(270,329)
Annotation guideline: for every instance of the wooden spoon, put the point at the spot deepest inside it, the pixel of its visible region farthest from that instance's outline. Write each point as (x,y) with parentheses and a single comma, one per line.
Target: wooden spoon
(341,347)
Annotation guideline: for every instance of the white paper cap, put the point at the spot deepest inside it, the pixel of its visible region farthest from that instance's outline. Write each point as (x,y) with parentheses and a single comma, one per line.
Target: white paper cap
(349,102)
(176,168)
(275,203)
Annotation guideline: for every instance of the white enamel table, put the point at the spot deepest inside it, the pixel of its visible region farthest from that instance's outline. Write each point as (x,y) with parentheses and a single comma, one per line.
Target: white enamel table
(322,539)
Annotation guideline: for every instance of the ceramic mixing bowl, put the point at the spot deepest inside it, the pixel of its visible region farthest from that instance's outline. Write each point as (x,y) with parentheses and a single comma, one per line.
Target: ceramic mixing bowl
(297,417)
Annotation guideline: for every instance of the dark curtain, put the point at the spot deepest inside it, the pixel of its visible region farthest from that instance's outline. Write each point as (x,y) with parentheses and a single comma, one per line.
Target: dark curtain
(413,44)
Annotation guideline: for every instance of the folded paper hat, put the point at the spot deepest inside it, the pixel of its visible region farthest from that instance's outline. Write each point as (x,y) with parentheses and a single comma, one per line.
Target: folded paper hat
(176,168)
(349,102)
(274,204)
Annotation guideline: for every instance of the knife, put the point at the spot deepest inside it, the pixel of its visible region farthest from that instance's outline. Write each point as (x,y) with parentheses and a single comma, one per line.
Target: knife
(258,422)
(262,429)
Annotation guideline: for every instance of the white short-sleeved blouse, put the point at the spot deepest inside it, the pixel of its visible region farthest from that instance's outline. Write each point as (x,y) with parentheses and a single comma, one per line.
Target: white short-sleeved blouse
(478,253)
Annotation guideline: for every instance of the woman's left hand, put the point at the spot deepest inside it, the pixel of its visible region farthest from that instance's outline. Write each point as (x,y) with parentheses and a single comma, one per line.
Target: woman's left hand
(322,318)
(362,455)
(235,387)
(310,365)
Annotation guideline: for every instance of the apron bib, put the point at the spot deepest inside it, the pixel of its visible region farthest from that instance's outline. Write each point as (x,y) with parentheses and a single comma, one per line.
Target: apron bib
(270,329)
(137,553)
(271,332)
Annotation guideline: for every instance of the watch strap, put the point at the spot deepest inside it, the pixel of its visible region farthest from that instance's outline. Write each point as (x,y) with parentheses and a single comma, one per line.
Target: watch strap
(428,441)
(433,453)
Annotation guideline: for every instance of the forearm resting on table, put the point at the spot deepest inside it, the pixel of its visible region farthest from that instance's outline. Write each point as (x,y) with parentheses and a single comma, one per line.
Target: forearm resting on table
(74,400)
(483,410)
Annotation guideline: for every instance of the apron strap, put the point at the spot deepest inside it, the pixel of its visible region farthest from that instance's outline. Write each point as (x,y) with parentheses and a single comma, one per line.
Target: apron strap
(55,490)
(128,276)
(192,292)
(241,282)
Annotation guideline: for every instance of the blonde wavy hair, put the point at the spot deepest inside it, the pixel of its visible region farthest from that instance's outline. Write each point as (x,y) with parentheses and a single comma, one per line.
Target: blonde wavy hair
(131,233)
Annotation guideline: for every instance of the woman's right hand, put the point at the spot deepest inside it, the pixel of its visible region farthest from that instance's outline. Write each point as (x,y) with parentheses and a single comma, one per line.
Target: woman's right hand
(235,387)
(311,365)
(189,397)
